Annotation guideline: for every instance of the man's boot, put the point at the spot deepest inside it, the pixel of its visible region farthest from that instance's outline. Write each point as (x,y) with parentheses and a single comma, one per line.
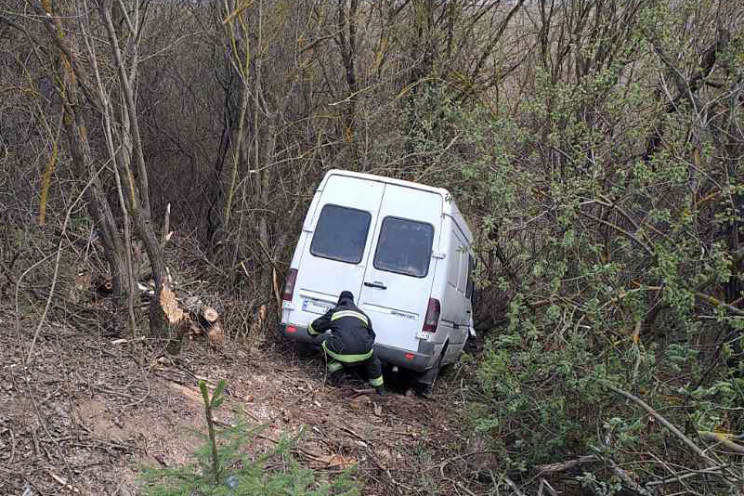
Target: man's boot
(336,378)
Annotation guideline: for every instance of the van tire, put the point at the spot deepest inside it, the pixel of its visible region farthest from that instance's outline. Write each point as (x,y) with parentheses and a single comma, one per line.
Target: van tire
(425,385)
(303,350)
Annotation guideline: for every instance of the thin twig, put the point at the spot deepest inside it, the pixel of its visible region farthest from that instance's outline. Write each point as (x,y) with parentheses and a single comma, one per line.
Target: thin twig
(563,466)
(513,486)
(12,447)
(42,422)
(679,478)
(627,480)
(56,262)
(694,447)
(18,289)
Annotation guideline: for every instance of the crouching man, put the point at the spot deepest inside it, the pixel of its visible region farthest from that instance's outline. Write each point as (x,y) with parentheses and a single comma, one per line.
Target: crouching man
(351,341)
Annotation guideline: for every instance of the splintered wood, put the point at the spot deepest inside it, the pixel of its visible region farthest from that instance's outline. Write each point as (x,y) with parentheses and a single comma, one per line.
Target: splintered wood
(170,307)
(174,321)
(186,317)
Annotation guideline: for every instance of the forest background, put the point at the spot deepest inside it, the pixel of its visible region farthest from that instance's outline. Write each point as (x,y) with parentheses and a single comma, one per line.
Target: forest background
(595,147)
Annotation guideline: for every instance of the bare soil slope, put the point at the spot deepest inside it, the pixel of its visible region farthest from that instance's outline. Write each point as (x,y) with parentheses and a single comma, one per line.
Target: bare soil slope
(86,413)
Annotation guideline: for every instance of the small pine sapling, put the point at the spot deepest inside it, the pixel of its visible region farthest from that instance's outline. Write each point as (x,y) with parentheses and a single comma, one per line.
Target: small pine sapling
(228,468)
(209,404)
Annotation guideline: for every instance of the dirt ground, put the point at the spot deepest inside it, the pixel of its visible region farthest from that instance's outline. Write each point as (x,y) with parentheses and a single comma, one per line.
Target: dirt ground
(88,411)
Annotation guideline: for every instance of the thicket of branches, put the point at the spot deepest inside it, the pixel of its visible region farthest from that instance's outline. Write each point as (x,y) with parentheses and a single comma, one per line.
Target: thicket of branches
(594,145)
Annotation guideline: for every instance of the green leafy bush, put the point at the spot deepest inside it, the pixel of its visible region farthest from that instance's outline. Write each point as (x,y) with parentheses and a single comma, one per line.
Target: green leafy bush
(609,216)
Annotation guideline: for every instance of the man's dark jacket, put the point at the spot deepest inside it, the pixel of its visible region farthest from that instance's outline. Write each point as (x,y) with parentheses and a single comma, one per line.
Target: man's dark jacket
(351,329)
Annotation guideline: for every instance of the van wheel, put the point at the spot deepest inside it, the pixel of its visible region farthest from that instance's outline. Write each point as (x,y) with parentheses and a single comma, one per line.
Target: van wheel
(304,350)
(425,384)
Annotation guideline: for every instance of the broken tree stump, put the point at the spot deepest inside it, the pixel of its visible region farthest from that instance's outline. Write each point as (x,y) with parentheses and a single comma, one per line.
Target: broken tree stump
(173,319)
(168,320)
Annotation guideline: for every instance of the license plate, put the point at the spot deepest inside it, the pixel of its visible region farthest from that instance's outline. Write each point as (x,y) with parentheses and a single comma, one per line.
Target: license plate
(316,306)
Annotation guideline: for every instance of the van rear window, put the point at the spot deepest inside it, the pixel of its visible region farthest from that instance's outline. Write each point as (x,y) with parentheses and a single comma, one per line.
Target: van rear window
(341,234)
(404,247)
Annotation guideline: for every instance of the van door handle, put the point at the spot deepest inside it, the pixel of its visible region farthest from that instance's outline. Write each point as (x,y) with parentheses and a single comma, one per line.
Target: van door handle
(377,285)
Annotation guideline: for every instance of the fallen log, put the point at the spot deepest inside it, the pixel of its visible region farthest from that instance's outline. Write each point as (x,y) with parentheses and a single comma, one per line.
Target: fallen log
(200,309)
(207,318)
(216,336)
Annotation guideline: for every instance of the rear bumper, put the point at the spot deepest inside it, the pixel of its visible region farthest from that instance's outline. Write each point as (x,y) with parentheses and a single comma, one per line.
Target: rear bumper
(300,334)
(412,360)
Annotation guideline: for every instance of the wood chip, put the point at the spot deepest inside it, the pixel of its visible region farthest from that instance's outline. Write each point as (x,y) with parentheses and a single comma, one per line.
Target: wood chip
(62,482)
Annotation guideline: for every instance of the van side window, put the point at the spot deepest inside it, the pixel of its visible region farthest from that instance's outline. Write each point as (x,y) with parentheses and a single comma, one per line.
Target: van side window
(404,247)
(453,261)
(462,280)
(471,274)
(341,234)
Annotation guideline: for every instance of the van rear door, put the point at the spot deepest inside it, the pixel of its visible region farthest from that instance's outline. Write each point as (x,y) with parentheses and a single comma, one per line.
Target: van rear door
(400,272)
(338,247)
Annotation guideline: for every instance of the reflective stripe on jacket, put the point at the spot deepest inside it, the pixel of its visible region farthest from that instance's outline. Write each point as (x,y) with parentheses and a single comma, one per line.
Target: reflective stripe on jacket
(351,332)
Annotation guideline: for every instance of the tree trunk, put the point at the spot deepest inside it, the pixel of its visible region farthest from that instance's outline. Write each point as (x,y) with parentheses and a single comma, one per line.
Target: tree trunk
(97,203)
(70,81)
(347,40)
(161,321)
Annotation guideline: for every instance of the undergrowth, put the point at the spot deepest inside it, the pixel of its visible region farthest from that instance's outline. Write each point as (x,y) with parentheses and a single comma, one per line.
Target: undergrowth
(225,466)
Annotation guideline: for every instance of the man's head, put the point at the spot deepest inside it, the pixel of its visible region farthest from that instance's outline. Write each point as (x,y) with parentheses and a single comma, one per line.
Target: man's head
(346,295)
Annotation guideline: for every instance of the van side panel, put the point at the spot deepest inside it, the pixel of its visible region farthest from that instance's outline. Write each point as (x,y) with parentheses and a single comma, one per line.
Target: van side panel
(455,305)
(435,344)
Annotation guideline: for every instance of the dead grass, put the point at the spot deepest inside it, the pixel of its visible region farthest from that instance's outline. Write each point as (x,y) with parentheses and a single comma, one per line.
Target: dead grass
(87,413)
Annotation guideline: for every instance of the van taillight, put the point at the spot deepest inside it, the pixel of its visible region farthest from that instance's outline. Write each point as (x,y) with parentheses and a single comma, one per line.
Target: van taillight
(289,285)
(432,315)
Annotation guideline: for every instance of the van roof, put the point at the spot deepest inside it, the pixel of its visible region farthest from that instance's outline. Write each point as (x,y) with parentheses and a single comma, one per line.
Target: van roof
(450,208)
(381,179)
